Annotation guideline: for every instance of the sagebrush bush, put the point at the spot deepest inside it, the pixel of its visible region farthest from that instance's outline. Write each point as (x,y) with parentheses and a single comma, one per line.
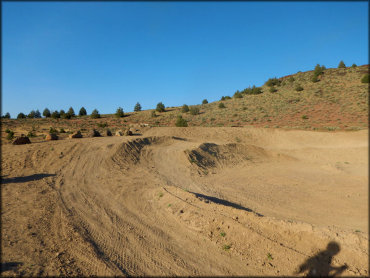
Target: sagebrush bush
(238,94)
(365,78)
(31,134)
(181,122)
(291,79)
(53,130)
(160,107)
(193,110)
(272,82)
(314,79)
(184,108)
(299,88)
(62,130)
(221,105)
(153,114)
(10,135)
(272,90)
(7,130)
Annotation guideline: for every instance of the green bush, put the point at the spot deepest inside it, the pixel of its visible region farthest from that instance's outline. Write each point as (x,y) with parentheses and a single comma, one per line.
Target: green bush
(137,107)
(55,115)
(354,66)
(272,90)
(10,135)
(160,107)
(222,98)
(95,114)
(46,113)
(318,70)
(102,125)
(194,110)
(7,130)
(221,105)
(365,78)
(272,82)
(252,91)
(291,79)
(65,115)
(314,79)
(21,116)
(82,112)
(53,130)
(304,117)
(62,130)
(31,134)
(119,112)
(299,88)
(227,97)
(6,116)
(184,108)
(205,101)
(62,114)
(341,65)
(37,114)
(181,122)
(153,114)
(238,94)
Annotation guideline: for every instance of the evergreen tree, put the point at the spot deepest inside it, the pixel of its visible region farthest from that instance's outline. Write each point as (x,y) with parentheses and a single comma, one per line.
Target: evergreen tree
(341,65)
(82,112)
(37,114)
(46,113)
(137,107)
(95,114)
(21,116)
(31,114)
(160,107)
(119,112)
(205,101)
(6,116)
(55,115)
(71,112)
(184,108)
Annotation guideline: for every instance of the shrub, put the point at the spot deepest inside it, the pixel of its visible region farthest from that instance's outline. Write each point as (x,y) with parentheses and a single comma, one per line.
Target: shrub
(318,70)
(272,90)
(160,107)
(153,114)
(194,110)
(354,66)
(21,116)
(299,88)
(52,130)
(82,112)
(6,116)
(10,135)
(7,130)
(95,114)
(31,114)
(222,98)
(65,115)
(341,65)
(137,107)
(205,101)
(238,94)
(31,134)
(184,108)
(227,97)
(291,79)
(102,125)
(55,115)
(181,122)
(62,130)
(304,117)
(252,91)
(221,105)
(272,82)
(46,113)
(314,79)
(365,78)
(71,112)
(119,112)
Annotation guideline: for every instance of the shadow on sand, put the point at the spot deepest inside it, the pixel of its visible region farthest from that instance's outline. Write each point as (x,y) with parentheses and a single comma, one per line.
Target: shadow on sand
(320,264)
(223,202)
(9,266)
(26,178)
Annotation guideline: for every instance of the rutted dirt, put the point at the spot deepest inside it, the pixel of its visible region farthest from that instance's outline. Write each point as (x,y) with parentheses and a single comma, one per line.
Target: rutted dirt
(187,201)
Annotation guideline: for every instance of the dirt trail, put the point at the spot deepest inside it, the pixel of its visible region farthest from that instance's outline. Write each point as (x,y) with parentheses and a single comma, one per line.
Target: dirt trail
(185,201)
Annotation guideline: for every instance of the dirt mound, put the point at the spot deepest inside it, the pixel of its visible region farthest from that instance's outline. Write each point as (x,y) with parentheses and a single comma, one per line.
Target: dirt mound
(210,155)
(21,140)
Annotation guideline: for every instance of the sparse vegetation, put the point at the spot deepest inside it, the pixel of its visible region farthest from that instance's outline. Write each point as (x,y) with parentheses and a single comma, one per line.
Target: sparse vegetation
(365,78)
(153,114)
(10,135)
(221,105)
(299,88)
(223,234)
(194,110)
(226,247)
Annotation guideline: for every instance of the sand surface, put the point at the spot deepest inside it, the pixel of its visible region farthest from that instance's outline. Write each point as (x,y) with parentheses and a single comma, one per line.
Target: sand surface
(187,201)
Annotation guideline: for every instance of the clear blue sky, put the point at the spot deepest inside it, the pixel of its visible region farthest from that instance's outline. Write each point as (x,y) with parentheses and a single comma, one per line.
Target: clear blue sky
(105,55)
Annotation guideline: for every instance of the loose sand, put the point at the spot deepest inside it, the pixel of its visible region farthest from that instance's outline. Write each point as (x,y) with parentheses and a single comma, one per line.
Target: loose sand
(187,201)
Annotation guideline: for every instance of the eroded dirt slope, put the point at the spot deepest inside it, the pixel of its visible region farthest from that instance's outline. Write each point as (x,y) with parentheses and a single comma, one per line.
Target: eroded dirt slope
(187,201)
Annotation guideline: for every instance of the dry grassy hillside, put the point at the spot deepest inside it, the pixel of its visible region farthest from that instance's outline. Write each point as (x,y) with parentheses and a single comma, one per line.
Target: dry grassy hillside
(338,101)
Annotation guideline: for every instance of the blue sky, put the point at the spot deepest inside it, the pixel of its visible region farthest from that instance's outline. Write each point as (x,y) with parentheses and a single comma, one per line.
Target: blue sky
(105,55)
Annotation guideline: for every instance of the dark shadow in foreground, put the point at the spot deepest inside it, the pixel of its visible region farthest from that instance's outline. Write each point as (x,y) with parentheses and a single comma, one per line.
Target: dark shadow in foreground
(320,264)
(26,178)
(9,266)
(223,202)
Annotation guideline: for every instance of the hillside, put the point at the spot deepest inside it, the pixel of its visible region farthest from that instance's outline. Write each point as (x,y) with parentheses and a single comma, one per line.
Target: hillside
(338,101)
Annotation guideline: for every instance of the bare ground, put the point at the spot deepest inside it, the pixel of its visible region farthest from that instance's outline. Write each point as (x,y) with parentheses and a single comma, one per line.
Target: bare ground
(187,201)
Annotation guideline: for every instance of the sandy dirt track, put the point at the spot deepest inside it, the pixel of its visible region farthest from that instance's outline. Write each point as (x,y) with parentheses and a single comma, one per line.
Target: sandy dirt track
(187,201)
